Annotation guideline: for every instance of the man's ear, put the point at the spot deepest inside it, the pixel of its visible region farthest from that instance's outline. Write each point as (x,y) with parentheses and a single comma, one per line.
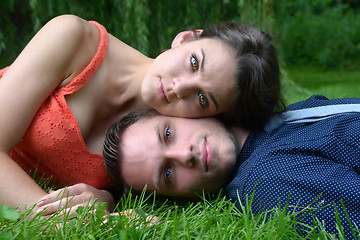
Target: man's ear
(184,36)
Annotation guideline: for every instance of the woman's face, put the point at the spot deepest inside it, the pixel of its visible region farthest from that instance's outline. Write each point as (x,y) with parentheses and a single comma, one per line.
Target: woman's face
(193,79)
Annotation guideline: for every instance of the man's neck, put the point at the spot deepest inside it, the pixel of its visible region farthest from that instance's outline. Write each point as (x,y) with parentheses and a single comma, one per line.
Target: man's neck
(240,134)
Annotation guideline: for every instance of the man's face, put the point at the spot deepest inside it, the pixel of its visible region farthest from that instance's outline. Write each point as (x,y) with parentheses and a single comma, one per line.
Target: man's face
(177,156)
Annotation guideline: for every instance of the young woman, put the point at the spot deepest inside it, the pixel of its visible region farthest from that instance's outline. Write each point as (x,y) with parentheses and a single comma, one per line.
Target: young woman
(73,80)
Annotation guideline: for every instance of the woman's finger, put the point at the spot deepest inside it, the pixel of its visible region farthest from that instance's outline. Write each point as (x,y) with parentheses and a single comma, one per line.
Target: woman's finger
(53,196)
(65,203)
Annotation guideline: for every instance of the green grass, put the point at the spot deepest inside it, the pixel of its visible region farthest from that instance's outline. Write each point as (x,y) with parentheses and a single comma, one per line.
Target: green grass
(207,219)
(301,83)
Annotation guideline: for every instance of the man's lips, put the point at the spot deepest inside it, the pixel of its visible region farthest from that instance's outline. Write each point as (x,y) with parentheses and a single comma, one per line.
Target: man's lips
(206,155)
(161,91)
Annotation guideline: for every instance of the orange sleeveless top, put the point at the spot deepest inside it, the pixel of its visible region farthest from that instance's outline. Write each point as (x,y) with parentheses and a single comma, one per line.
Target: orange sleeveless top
(53,145)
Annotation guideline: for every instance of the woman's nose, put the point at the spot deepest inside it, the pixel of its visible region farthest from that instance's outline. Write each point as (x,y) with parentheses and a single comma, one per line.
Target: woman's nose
(183,87)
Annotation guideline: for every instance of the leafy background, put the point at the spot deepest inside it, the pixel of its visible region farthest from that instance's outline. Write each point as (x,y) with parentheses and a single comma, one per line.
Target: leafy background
(325,33)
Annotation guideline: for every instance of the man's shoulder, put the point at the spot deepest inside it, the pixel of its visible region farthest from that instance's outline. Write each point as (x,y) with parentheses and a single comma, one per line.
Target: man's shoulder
(319,100)
(313,109)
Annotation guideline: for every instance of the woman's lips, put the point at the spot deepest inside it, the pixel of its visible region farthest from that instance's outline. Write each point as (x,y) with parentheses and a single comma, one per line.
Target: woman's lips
(206,155)
(161,91)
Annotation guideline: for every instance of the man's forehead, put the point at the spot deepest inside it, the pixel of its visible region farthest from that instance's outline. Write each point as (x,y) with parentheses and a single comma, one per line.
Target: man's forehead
(152,121)
(170,119)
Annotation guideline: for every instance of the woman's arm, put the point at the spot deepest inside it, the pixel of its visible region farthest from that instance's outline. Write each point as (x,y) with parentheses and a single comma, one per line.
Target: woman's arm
(17,189)
(58,52)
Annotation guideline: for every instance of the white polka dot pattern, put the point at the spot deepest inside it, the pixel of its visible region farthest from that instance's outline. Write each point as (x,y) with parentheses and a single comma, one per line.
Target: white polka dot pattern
(305,161)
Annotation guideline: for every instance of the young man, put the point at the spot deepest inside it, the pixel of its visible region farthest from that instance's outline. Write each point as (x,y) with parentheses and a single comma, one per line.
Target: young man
(311,157)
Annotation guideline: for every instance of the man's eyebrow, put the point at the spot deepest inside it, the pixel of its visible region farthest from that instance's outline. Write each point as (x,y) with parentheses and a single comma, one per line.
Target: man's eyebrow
(158,176)
(203,60)
(157,132)
(211,95)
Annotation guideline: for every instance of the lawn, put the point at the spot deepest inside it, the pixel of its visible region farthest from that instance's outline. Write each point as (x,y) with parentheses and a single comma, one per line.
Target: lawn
(211,218)
(207,219)
(301,83)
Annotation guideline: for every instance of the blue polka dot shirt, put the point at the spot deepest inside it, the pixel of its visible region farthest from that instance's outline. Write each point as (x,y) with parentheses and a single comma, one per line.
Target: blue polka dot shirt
(296,163)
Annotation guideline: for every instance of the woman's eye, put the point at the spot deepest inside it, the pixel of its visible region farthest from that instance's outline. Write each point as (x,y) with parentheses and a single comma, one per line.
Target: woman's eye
(194,63)
(204,102)
(168,175)
(168,134)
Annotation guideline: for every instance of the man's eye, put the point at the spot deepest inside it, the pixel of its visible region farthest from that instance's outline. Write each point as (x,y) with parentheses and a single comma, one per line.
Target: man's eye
(204,102)
(168,134)
(168,175)
(194,63)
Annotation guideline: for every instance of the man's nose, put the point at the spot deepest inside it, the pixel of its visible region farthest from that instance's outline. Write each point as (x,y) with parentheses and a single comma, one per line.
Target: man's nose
(184,157)
(183,87)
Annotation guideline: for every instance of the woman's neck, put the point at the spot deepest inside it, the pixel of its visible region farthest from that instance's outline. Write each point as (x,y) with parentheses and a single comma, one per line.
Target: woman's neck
(126,68)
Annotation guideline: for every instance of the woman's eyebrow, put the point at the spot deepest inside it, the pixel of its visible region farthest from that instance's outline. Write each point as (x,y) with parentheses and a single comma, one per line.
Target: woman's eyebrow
(212,97)
(203,60)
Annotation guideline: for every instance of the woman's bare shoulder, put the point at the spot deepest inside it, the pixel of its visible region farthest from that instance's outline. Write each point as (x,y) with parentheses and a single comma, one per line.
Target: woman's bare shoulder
(72,28)
(76,41)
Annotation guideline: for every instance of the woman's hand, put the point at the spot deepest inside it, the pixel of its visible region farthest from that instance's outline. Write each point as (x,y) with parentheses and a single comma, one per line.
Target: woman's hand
(70,198)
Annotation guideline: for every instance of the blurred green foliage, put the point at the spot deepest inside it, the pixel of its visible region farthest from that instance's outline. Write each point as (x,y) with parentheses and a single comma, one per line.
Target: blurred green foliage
(319,33)
(307,32)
